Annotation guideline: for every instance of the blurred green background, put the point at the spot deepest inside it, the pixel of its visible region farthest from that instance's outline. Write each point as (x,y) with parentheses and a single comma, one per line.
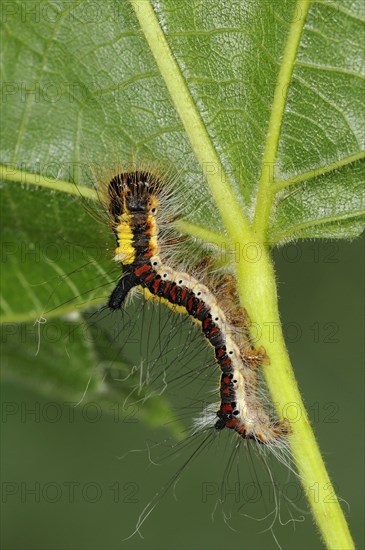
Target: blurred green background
(87,498)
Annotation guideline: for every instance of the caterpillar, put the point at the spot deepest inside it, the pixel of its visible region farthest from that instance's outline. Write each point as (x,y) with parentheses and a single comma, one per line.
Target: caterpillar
(133,202)
(138,230)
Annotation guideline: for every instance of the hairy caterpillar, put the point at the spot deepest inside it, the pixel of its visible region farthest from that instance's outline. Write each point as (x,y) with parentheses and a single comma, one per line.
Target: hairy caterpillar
(133,204)
(179,357)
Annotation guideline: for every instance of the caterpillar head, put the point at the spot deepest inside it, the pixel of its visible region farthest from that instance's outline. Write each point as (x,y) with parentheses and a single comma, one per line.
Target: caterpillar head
(133,193)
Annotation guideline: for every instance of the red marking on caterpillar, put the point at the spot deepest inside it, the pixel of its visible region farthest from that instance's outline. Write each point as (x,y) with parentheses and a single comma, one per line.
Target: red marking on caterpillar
(149,277)
(156,284)
(166,289)
(183,296)
(173,293)
(133,206)
(206,323)
(139,271)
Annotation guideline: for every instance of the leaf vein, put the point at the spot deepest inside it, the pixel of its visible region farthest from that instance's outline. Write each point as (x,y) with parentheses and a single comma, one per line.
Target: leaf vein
(331,104)
(264,196)
(320,221)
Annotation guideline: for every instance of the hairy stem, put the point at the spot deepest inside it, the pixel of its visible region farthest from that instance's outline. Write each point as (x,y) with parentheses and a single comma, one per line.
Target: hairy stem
(257,288)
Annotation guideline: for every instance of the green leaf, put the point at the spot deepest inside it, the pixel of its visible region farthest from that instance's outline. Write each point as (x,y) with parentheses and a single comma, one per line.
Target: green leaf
(32,354)
(322,207)
(76,358)
(56,254)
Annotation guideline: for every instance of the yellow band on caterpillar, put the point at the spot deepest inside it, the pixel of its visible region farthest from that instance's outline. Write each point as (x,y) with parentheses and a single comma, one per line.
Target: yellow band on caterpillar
(125,251)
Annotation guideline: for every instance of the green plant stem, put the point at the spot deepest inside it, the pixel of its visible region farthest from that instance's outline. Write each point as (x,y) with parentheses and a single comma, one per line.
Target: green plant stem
(257,289)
